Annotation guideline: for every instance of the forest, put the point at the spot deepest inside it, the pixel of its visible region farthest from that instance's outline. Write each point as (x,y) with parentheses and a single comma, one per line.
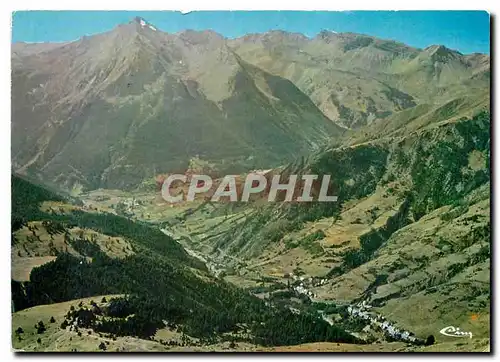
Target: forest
(161,283)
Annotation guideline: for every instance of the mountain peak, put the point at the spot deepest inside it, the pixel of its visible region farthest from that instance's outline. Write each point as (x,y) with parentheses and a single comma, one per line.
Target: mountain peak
(142,23)
(200,36)
(326,34)
(440,50)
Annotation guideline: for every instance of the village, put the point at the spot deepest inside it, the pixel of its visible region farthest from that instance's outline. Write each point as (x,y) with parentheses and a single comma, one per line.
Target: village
(360,311)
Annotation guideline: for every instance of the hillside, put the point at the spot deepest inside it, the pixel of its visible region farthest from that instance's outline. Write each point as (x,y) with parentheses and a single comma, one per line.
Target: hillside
(101,262)
(165,340)
(411,231)
(158,288)
(105,111)
(356,79)
(113,109)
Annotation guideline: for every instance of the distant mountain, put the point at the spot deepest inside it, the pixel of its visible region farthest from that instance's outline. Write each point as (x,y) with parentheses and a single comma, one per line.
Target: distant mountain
(114,109)
(355,79)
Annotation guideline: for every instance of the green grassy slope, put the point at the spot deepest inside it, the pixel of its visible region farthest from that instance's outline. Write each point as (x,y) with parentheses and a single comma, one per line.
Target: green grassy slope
(163,285)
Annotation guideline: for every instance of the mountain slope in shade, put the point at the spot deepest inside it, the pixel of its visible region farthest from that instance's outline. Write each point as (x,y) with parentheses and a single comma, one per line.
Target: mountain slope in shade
(112,109)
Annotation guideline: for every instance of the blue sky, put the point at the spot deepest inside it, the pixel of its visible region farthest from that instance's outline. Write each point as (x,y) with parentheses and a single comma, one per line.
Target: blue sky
(466,31)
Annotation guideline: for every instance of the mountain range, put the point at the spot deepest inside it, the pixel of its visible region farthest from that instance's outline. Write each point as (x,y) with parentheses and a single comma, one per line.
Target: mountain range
(113,109)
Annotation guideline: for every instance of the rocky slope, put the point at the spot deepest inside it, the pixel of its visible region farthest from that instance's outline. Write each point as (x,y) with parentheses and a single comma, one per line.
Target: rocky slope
(410,234)
(112,109)
(355,79)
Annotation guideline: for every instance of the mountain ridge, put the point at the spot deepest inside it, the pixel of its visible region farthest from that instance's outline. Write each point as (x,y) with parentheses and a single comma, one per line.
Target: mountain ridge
(98,111)
(154,76)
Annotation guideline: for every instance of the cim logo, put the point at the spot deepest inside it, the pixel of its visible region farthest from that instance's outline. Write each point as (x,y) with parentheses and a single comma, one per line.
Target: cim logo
(455,332)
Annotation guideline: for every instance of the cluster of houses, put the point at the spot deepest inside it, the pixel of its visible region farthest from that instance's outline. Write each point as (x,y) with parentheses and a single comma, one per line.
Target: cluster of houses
(300,289)
(300,283)
(131,203)
(361,310)
(315,282)
(319,282)
(126,207)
